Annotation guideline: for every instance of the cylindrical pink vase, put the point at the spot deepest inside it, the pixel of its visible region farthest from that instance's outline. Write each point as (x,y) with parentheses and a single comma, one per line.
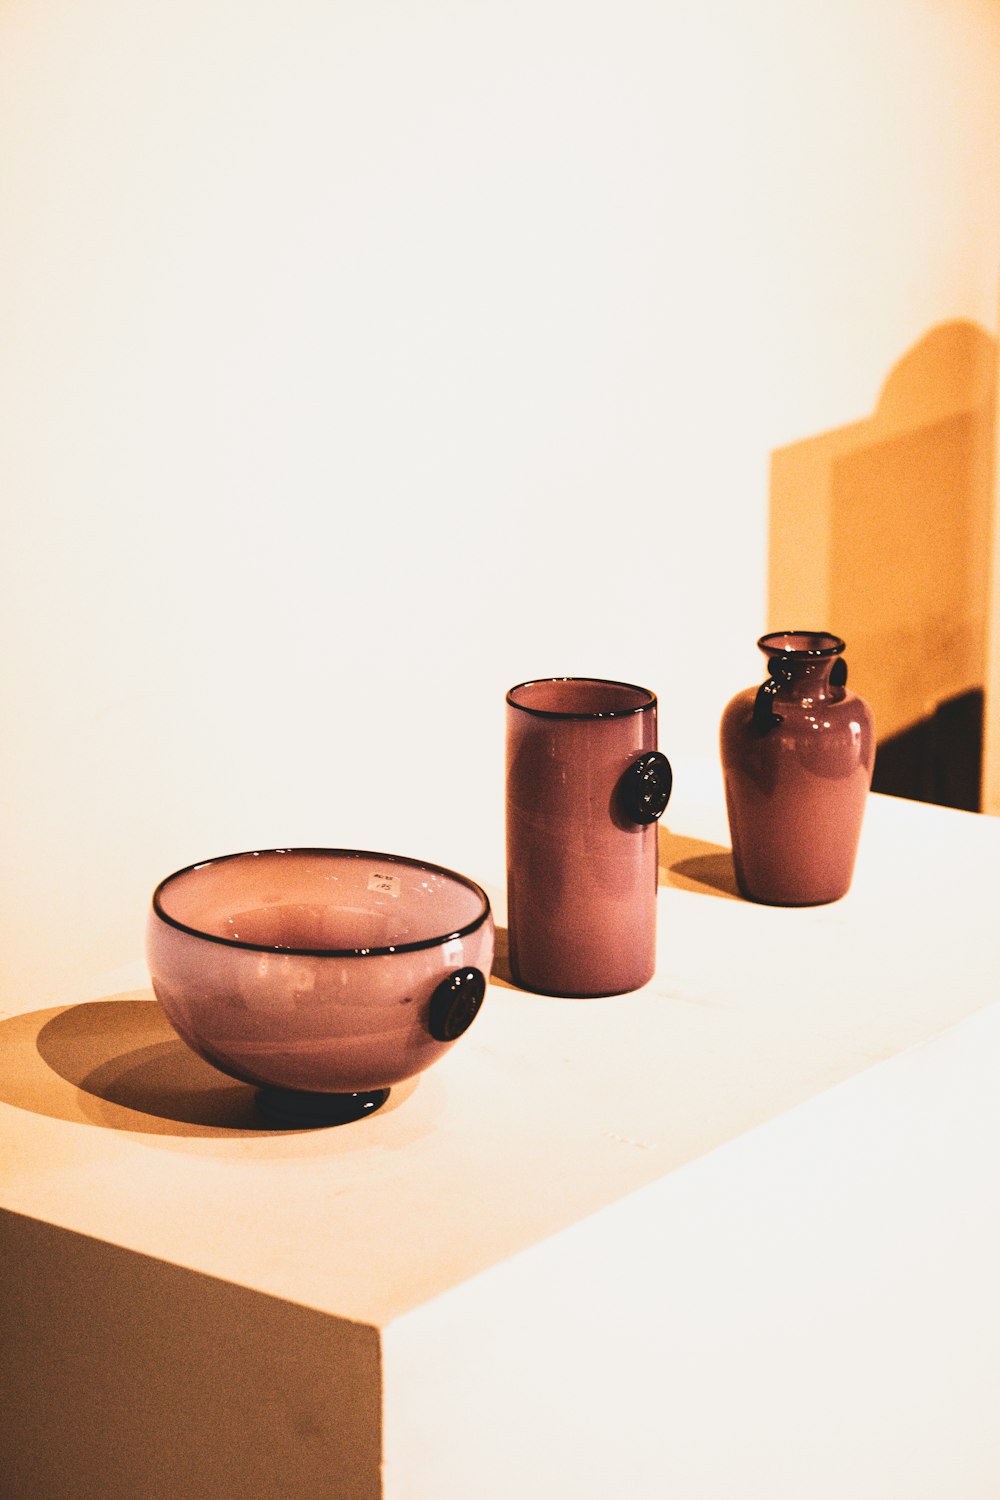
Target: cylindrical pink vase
(797,757)
(585,786)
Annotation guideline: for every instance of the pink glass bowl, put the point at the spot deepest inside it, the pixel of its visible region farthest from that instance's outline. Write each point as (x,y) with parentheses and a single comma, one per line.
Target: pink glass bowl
(323,976)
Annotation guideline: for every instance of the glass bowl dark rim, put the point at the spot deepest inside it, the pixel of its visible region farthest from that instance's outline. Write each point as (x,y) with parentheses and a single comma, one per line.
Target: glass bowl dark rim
(802,652)
(611,713)
(384,859)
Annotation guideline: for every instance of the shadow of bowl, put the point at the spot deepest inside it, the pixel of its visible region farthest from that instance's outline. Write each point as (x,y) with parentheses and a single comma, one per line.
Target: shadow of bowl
(126,1069)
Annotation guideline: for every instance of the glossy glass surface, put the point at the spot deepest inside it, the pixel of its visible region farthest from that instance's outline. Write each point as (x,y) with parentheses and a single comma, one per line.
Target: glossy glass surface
(797,755)
(314,969)
(581,871)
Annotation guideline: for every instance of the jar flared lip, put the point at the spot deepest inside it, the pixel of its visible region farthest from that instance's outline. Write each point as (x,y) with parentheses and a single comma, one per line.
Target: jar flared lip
(277,948)
(828,644)
(607,713)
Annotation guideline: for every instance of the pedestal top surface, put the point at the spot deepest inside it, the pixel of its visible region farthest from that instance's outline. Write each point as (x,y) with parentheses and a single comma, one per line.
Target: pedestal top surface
(546,1112)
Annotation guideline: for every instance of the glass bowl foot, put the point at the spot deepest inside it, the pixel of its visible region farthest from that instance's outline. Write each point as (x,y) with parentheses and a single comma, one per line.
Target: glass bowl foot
(297,1108)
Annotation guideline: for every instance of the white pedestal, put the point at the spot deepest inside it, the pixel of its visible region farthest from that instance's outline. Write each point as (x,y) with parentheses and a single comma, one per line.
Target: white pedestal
(503,1284)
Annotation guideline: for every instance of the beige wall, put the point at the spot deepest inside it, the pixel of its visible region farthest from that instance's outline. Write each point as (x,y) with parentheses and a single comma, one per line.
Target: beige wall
(359,360)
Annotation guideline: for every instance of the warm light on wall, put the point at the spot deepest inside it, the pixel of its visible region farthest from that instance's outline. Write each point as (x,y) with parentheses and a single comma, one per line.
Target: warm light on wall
(360,361)
(882,529)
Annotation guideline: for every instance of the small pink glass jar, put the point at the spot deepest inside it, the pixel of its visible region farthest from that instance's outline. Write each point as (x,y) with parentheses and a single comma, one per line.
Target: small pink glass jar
(797,756)
(323,976)
(585,786)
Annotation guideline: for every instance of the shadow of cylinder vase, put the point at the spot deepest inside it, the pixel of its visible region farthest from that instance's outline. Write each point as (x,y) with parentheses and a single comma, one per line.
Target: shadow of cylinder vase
(118,1064)
(691,864)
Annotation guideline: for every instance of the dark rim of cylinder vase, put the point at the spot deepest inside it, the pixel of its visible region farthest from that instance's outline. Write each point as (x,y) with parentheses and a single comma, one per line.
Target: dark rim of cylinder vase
(606,713)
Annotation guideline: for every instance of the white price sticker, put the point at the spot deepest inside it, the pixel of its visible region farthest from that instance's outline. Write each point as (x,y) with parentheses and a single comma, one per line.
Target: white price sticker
(388,884)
